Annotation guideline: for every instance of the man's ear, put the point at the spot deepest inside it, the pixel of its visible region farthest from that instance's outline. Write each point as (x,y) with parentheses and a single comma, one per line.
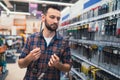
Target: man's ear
(43,18)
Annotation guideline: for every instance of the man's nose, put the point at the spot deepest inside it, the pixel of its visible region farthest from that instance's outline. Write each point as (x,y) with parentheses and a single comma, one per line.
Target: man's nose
(56,20)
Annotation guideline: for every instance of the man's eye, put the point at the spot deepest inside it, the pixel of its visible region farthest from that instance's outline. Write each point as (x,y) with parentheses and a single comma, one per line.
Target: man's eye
(58,18)
(52,17)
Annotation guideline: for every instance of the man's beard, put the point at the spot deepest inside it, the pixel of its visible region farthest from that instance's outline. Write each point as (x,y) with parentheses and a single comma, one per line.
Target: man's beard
(51,27)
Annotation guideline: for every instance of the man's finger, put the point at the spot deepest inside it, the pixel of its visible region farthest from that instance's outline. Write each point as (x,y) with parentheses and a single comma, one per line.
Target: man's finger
(53,58)
(36,53)
(51,61)
(35,50)
(56,57)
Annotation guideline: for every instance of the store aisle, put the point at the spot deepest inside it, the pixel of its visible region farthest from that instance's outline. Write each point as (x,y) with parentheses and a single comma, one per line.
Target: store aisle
(14,72)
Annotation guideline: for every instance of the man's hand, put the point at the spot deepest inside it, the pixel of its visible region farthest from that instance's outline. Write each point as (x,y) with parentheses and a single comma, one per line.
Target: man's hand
(34,54)
(54,61)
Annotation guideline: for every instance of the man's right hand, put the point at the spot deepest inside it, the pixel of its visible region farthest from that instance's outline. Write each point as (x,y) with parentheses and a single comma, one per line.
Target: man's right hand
(34,54)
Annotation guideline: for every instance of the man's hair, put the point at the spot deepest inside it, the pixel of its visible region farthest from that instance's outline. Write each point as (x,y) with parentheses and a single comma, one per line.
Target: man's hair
(51,6)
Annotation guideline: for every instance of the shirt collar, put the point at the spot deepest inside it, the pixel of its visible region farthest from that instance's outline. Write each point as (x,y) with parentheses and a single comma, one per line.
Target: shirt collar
(57,35)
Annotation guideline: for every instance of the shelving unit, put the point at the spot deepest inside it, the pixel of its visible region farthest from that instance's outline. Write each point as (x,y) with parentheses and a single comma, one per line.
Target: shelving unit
(112,40)
(81,75)
(4,72)
(4,75)
(78,56)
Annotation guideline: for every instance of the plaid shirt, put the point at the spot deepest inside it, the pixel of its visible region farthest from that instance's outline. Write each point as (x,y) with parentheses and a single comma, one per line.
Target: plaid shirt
(55,46)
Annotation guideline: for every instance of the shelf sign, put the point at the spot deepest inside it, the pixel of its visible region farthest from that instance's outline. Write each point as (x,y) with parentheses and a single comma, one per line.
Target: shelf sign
(90,3)
(38,14)
(33,8)
(65,17)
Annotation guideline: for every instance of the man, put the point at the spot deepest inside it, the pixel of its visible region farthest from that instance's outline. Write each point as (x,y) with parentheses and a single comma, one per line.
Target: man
(46,49)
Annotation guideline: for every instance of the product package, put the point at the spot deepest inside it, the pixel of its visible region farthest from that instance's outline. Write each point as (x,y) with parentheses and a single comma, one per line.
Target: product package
(102,75)
(118,28)
(118,4)
(85,68)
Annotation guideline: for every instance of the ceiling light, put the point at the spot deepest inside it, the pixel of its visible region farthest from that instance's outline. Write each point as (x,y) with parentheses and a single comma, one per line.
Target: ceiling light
(4,7)
(20,13)
(45,2)
(9,5)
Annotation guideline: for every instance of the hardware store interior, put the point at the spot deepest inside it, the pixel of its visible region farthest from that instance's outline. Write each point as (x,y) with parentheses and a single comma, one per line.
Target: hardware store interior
(92,28)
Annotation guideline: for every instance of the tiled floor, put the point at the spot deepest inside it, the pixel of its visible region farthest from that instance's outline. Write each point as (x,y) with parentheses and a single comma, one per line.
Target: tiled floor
(14,72)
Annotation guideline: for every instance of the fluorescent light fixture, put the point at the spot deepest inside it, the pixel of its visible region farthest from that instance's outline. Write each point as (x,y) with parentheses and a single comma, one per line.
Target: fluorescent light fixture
(9,5)
(4,7)
(44,2)
(51,2)
(20,13)
(32,1)
(10,12)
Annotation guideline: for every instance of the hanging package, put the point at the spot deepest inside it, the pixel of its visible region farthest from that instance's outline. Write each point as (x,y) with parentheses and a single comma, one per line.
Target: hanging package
(118,28)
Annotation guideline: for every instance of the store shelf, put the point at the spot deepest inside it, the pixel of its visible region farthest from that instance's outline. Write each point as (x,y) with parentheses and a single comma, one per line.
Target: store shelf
(99,43)
(11,59)
(78,74)
(3,49)
(3,76)
(78,56)
(91,19)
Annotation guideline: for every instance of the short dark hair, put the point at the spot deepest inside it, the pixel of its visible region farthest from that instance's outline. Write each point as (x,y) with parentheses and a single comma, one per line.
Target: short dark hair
(51,6)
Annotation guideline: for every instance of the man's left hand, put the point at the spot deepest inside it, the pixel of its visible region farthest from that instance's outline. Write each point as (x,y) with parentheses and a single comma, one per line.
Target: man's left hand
(54,61)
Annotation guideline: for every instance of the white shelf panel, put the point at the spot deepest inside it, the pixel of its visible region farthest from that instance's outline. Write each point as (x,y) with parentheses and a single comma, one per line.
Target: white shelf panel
(78,74)
(78,56)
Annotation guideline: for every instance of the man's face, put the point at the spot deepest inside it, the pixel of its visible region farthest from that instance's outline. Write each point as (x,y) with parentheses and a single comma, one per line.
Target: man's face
(51,19)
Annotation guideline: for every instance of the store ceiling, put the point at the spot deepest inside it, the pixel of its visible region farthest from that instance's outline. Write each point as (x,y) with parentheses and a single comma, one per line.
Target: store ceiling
(23,5)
